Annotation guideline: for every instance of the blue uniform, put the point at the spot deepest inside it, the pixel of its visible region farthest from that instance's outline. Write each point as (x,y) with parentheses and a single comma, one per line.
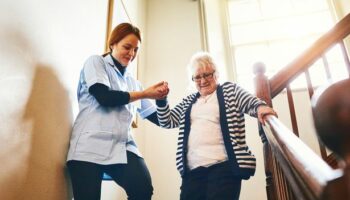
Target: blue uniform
(100,134)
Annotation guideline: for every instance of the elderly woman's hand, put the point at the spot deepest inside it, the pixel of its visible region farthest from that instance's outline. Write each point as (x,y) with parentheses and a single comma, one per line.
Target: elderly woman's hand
(264,110)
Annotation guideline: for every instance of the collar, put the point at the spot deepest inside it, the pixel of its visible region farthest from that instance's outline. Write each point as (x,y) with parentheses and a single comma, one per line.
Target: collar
(116,65)
(198,94)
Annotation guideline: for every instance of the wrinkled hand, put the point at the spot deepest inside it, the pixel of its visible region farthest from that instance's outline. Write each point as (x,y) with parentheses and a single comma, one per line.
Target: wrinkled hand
(263,111)
(157,91)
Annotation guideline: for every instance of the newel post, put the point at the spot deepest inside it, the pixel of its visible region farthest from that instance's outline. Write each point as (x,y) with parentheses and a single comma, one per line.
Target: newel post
(262,86)
(262,90)
(276,184)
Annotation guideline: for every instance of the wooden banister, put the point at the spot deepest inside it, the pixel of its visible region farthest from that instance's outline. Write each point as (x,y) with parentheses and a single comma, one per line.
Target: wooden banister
(293,170)
(308,173)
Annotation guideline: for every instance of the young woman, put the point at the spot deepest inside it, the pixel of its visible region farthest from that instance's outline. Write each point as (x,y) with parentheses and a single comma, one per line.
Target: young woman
(101,140)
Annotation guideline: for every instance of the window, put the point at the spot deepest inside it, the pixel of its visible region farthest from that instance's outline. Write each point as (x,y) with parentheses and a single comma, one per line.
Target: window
(275,32)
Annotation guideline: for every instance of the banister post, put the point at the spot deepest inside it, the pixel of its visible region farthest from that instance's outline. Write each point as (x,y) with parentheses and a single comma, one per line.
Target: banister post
(262,86)
(273,171)
(262,91)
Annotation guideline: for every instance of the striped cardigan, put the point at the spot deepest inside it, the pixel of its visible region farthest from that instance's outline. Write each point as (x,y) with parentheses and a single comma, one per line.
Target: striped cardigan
(234,102)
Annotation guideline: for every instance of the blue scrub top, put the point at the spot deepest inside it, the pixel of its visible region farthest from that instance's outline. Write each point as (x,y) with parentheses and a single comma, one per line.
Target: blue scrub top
(103,134)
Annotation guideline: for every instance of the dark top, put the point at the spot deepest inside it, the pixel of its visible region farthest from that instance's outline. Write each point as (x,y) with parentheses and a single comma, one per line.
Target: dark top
(112,98)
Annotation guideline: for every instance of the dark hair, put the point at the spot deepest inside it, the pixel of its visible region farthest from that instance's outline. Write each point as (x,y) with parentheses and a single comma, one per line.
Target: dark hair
(121,31)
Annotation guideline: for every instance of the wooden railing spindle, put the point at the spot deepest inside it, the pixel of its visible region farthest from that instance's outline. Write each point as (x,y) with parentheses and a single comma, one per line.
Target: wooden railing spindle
(293,117)
(326,68)
(311,93)
(345,56)
(309,83)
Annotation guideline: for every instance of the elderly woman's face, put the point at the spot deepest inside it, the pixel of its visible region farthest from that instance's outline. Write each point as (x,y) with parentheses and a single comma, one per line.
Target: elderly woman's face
(205,80)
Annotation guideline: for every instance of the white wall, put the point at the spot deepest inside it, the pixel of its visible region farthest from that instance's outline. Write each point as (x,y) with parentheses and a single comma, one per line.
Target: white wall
(172,37)
(43,47)
(218,38)
(342,7)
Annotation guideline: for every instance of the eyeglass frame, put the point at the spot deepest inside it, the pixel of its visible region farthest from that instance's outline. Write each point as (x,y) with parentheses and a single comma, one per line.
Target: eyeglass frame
(205,76)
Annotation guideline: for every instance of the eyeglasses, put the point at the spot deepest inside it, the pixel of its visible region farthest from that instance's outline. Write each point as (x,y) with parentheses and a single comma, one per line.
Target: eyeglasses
(205,76)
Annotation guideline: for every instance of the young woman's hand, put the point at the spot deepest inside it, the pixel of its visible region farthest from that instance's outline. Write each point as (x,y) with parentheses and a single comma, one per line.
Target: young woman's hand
(157,91)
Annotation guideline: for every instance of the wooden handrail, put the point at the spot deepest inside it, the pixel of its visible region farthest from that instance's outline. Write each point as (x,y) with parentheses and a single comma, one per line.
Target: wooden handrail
(280,80)
(293,170)
(314,172)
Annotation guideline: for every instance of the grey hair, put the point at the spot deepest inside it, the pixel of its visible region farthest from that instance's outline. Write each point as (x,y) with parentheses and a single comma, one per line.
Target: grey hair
(200,60)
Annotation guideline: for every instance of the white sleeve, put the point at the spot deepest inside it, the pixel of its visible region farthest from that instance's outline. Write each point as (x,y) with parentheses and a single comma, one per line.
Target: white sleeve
(147,108)
(94,71)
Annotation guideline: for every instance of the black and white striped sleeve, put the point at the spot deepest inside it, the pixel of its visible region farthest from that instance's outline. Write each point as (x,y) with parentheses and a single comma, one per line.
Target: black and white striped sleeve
(247,102)
(169,118)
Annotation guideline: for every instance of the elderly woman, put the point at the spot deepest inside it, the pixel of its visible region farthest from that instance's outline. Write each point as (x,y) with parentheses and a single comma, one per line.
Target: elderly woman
(212,155)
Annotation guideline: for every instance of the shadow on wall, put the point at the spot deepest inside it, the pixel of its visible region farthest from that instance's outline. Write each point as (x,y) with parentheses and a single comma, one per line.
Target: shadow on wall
(48,109)
(35,125)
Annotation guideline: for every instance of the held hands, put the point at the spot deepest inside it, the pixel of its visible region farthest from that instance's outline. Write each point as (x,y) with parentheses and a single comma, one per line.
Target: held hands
(263,111)
(157,91)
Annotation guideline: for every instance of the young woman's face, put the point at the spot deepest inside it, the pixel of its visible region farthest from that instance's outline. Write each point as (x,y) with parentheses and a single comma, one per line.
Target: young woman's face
(126,49)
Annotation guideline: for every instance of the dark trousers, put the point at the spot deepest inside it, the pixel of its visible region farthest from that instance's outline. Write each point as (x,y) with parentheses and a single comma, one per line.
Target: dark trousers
(216,182)
(133,177)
